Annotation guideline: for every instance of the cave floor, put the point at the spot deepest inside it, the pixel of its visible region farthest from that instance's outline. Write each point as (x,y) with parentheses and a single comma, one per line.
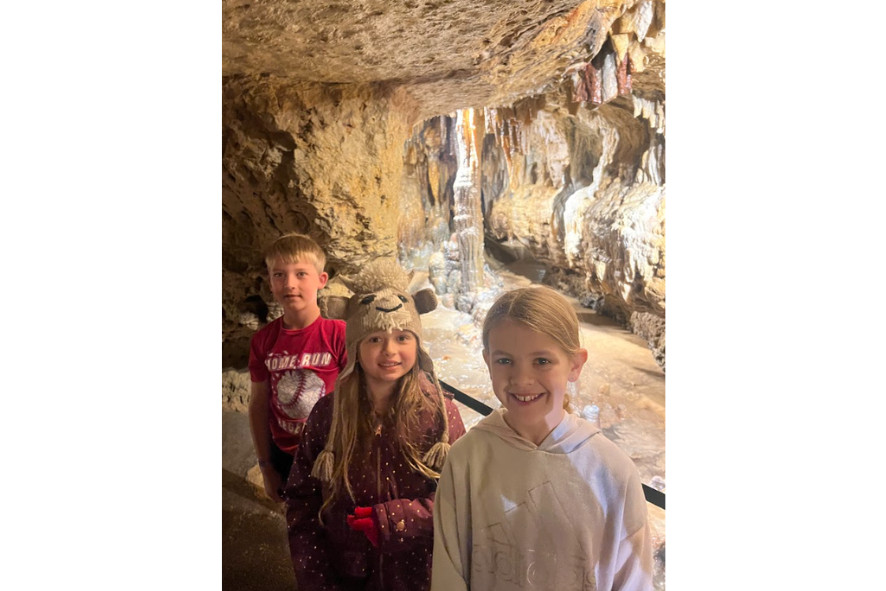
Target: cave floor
(255,551)
(621,378)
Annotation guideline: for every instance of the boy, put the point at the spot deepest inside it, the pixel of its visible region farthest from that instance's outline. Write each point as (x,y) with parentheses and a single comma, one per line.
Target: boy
(294,360)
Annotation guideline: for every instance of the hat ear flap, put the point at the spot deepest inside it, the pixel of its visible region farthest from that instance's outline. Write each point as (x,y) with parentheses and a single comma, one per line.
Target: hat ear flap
(347,281)
(425,300)
(334,306)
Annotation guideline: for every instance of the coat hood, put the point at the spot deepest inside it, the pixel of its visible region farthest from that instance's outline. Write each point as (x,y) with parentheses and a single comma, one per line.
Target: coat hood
(572,433)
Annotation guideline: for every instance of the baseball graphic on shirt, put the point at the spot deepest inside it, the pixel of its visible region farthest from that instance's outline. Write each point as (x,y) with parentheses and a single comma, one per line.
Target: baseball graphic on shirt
(298,391)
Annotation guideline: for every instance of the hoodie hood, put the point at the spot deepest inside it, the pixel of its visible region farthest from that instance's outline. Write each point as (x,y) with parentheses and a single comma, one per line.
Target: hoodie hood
(572,433)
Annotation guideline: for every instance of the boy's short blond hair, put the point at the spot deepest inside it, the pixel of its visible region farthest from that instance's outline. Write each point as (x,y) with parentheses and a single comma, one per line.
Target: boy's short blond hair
(294,247)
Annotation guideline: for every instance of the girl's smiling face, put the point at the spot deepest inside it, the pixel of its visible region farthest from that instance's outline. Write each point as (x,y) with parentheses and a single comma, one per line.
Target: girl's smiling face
(529,372)
(386,357)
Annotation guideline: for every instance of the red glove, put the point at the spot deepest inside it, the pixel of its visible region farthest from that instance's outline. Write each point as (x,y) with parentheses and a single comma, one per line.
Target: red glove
(363,520)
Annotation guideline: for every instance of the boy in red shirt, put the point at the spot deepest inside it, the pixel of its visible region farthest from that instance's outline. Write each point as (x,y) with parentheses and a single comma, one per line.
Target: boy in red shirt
(294,360)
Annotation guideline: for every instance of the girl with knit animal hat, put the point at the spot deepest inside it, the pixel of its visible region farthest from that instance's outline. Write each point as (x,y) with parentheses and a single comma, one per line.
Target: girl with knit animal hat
(360,496)
(535,497)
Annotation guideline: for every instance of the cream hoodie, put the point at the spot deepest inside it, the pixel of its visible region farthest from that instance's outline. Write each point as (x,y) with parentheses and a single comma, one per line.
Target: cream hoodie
(566,515)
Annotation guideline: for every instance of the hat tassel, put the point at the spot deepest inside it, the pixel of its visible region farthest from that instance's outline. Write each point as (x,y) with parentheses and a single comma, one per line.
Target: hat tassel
(322,469)
(436,456)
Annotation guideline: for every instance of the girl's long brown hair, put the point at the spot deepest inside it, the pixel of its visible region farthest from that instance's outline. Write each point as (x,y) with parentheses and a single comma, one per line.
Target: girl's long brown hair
(354,430)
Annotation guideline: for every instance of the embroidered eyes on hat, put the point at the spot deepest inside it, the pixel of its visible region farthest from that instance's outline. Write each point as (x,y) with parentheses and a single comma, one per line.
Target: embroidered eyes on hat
(380,302)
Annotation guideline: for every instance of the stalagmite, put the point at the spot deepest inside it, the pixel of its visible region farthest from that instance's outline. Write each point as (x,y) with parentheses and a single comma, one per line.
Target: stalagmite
(467,214)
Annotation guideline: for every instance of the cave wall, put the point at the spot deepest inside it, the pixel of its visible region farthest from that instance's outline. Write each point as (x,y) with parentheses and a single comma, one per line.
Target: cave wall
(320,159)
(585,197)
(574,187)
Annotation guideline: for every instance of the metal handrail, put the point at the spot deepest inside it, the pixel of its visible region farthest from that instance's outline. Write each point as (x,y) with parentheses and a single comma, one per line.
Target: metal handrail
(656,497)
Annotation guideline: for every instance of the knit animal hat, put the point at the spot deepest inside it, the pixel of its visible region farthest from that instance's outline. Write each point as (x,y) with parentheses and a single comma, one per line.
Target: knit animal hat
(381,302)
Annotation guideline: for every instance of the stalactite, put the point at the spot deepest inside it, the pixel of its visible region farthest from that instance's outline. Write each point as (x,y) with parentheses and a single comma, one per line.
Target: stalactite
(505,140)
(609,79)
(579,88)
(652,111)
(595,85)
(623,75)
(500,127)
(515,137)
(651,163)
(606,77)
(490,121)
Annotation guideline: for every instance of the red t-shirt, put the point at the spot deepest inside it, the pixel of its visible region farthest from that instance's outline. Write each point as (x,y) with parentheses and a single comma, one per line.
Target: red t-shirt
(301,366)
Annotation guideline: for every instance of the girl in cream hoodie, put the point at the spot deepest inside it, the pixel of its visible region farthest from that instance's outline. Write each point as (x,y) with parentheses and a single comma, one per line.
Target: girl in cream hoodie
(534,497)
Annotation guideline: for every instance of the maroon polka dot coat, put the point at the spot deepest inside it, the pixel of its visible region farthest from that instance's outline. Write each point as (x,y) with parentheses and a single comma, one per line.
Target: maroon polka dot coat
(333,556)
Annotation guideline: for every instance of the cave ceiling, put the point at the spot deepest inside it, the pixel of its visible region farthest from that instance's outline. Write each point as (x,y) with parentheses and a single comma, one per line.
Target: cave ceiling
(448,54)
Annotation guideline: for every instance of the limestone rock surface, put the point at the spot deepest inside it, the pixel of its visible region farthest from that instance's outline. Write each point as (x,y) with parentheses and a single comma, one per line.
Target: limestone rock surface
(449,53)
(337,123)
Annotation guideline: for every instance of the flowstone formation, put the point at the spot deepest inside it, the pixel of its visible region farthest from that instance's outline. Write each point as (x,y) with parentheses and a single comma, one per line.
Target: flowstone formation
(576,191)
(341,120)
